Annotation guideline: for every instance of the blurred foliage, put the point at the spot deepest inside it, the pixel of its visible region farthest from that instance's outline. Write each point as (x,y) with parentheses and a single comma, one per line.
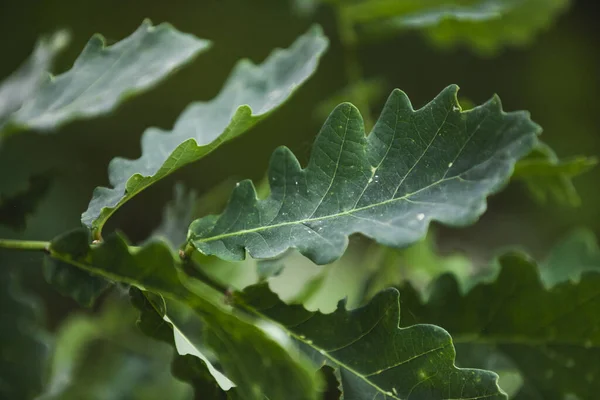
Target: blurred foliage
(554,76)
(93,350)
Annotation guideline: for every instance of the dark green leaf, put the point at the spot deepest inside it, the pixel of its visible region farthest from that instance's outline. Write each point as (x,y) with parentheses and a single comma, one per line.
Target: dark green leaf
(71,281)
(15,209)
(415,362)
(437,163)
(249,95)
(547,324)
(102,77)
(24,344)
(187,367)
(547,176)
(258,364)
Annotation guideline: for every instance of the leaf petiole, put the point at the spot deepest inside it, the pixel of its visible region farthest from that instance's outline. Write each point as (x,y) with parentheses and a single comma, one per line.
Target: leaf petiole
(32,245)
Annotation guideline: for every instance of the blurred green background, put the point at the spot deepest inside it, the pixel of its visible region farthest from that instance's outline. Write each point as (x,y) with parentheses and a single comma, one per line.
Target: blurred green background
(556,78)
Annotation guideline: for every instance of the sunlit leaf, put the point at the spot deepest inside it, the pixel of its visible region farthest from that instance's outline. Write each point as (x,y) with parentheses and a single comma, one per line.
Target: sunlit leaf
(436,163)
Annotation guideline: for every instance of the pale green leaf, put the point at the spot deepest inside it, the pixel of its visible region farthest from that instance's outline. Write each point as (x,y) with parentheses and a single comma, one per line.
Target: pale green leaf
(486,25)
(436,163)
(546,322)
(23,84)
(257,363)
(374,357)
(250,94)
(103,77)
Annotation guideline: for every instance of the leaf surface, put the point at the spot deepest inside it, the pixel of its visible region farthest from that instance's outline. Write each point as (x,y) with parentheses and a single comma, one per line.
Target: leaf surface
(250,356)
(250,94)
(103,76)
(436,163)
(374,357)
(544,320)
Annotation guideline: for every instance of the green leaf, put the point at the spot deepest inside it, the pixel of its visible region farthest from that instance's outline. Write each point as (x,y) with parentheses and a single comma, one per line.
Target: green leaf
(250,94)
(415,362)
(103,77)
(15,209)
(258,364)
(25,82)
(546,176)
(436,163)
(486,25)
(187,367)
(24,344)
(70,281)
(103,356)
(545,322)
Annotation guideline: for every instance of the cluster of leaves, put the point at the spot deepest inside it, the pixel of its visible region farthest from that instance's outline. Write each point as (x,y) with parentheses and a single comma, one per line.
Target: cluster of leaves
(209,287)
(484,25)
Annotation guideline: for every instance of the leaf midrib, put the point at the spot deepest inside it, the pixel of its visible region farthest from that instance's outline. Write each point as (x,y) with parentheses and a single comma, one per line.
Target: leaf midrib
(326,217)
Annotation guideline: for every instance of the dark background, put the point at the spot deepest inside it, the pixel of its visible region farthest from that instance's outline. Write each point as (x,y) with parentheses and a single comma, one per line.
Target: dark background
(556,78)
